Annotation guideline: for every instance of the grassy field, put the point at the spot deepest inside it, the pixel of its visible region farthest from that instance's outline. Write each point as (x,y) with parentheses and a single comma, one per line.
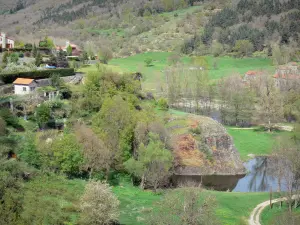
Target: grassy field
(253,142)
(268,215)
(231,207)
(154,75)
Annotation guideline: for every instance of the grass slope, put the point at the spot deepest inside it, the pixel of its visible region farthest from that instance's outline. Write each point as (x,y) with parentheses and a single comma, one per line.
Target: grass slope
(268,215)
(253,142)
(135,203)
(154,75)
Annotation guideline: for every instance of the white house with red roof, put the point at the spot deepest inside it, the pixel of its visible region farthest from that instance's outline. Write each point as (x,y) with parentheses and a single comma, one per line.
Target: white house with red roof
(23,86)
(6,42)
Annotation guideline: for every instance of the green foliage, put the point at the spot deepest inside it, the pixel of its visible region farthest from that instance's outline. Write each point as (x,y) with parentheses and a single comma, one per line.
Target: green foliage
(115,123)
(39,74)
(28,151)
(243,48)
(52,199)
(162,103)
(38,59)
(69,50)
(5,58)
(14,58)
(61,60)
(46,43)
(34,51)
(105,54)
(67,155)
(148,62)
(43,115)
(152,164)
(9,118)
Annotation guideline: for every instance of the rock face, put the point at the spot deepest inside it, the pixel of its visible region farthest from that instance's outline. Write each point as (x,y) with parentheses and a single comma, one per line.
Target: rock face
(203,148)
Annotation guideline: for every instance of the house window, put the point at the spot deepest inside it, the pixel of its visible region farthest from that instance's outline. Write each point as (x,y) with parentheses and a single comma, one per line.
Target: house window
(32,88)
(24,88)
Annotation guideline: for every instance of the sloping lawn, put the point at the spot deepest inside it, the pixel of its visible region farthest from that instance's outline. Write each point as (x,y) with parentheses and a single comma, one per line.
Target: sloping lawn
(250,141)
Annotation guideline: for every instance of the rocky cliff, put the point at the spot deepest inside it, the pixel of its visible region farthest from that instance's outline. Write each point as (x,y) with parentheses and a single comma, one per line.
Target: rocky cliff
(202,147)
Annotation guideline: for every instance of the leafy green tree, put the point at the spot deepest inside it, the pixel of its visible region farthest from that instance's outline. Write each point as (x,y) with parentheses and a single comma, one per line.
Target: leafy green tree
(67,154)
(43,115)
(38,59)
(2,126)
(162,103)
(5,58)
(115,123)
(69,50)
(28,151)
(14,58)
(148,62)
(153,163)
(243,48)
(99,205)
(34,51)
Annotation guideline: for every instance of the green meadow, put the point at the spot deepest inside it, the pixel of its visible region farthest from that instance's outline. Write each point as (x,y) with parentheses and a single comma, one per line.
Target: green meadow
(231,209)
(154,74)
(252,141)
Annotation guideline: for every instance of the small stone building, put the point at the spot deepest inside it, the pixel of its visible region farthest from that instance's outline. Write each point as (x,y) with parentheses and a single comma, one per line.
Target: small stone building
(23,86)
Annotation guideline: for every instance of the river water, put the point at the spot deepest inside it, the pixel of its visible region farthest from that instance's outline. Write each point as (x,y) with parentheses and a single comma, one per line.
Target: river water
(259,177)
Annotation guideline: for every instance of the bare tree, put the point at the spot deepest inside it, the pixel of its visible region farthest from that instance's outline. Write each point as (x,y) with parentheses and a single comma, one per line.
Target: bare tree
(97,155)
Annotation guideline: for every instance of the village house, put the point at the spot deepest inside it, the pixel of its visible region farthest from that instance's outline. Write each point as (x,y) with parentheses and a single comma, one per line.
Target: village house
(23,86)
(75,49)
(6,42)
(42,87)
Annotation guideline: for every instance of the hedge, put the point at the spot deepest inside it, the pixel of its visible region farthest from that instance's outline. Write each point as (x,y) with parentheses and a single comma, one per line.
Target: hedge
(39,74)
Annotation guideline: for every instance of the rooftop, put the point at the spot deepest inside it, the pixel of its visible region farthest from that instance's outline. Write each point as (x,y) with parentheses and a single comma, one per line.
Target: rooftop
(23,81)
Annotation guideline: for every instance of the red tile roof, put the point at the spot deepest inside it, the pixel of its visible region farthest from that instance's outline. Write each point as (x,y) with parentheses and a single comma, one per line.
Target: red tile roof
(23,81)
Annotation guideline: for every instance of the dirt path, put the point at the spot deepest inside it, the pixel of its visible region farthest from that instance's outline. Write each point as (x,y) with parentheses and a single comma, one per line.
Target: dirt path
(255,214)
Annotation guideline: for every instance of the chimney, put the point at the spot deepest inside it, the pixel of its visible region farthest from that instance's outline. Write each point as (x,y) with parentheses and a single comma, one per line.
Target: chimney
(3,35)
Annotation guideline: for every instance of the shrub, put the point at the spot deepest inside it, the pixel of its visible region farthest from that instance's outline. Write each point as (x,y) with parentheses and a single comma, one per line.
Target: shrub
(148,62)
(163,104)
(39,74)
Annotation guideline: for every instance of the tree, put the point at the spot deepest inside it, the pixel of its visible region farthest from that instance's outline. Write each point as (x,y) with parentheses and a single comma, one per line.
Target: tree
(61,60)
(237,101)
(43,115)
(269,107)
(5,58)
(153,163)
(2,127)
(38,59)
(105,54)
(148,62)
(217,48)
(67,154)
(184,206)
(69,50)
(14,58)
(99,205)
(34,51)
(243,48)
(115,123)
(97,156)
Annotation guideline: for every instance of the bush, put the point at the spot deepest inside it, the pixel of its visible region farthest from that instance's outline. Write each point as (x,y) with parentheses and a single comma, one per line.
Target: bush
(163,104)
(148,62)
(39,74)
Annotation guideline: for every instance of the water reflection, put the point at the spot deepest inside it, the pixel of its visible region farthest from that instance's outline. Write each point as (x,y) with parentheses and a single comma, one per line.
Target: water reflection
(260,176)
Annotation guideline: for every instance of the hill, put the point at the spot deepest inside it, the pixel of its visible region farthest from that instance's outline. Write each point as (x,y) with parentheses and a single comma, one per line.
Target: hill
(127,26)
